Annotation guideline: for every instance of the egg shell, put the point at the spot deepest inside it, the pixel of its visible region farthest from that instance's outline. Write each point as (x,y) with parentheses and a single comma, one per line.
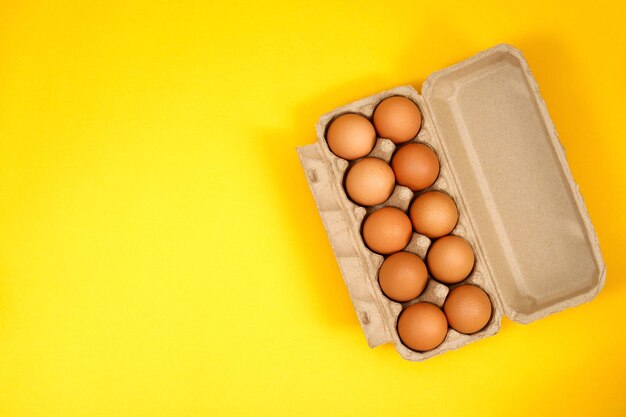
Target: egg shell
(398,119)
(415,166)
(450,259)
(387,230)
(434,214)
(370,181)
(403,276)
(351,136)
(422,326)
(468,309)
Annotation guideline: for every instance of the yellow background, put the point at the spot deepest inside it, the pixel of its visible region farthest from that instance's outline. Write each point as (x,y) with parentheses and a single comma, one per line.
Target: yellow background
(160,251)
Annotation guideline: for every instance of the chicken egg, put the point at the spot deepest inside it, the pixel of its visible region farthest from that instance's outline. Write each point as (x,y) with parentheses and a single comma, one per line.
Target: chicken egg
(398,119)
(467,308)
(434,214)
(387,230)
(450,259)
(422,326)
(415,166)
(370,181)
(351,136)
(403,276)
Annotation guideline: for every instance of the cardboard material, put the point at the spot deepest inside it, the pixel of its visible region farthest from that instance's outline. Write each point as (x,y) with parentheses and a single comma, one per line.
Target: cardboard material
(520,209)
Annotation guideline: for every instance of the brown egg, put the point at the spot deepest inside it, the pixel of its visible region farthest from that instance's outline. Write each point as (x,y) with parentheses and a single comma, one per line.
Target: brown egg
(398,119)
(422,326)
(416,166)
(403,276)
(450,259)
(434,214)
(370,181)
(351,136)
(387,230)
(467,308)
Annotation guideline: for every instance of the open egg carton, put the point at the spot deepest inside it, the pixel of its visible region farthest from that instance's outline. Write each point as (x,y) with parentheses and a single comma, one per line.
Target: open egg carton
(536,251)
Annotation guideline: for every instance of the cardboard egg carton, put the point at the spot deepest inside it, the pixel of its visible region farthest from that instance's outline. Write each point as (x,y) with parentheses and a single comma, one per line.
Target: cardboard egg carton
(519,207)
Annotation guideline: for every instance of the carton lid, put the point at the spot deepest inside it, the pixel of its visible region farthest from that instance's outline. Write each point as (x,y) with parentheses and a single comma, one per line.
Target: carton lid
(533,229)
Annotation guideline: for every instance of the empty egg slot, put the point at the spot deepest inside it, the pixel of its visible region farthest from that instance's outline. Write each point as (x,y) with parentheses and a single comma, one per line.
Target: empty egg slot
(418,245)
(434,293)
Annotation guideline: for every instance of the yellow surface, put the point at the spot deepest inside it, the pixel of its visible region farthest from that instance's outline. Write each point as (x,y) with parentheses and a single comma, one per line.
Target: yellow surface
(161,254)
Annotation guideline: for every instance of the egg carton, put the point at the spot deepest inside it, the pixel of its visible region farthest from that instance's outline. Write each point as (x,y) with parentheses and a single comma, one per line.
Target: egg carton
(519,207)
